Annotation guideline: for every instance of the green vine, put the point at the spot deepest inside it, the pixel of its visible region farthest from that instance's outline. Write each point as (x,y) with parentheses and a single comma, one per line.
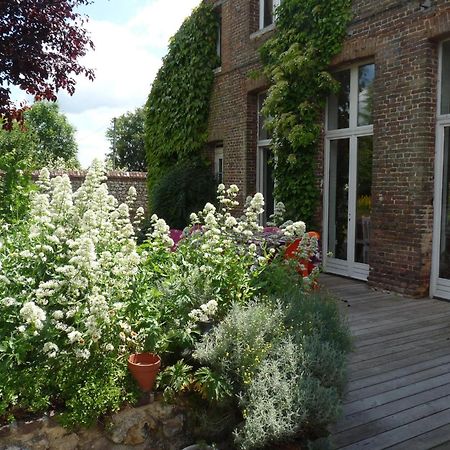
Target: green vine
(178,105)
(296,60)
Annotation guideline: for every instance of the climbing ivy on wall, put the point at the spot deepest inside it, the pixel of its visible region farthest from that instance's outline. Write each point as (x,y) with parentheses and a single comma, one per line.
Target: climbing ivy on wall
(177,108)
(296,60)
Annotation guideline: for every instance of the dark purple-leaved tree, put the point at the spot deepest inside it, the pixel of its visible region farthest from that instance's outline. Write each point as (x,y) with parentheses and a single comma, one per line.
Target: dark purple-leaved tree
(41,42)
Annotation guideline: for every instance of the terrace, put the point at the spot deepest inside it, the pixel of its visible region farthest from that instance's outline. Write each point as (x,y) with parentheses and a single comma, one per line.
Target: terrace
(398,392)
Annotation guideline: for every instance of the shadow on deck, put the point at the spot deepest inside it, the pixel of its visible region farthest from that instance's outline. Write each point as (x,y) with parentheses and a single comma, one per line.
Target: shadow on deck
(398,392)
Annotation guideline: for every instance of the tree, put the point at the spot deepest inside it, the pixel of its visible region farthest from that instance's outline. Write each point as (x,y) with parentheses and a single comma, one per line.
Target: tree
(127,141)
(41,42)
(45,138)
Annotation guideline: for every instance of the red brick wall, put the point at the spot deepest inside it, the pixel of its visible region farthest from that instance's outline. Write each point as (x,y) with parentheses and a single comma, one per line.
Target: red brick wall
(401,38)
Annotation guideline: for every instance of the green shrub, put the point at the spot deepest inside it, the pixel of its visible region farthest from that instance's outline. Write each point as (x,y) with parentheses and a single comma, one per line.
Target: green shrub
(283,401)
(184,188)
(318,314)
(287,362)
(237,346)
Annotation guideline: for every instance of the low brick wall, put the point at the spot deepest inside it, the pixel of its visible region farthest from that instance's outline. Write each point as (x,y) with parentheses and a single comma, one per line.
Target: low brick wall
(154,426)
(118,184)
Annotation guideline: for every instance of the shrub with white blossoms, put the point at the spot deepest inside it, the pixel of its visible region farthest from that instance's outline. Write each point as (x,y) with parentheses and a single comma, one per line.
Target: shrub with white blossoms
(66,275)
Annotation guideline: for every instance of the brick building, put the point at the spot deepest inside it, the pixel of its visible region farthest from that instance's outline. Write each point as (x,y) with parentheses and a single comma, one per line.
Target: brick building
(384,165)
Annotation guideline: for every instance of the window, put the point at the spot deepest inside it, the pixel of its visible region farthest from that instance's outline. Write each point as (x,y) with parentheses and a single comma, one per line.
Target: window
(264,160)
(218,163)
(352,106)
(267,12)
(219,35)
(445,79)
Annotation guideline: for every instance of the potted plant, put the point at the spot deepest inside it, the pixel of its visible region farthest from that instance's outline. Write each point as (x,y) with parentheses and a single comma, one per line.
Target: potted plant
(144,368)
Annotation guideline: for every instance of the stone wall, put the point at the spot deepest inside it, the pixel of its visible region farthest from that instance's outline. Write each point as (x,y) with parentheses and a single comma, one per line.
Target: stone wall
(118,184)
(155,426)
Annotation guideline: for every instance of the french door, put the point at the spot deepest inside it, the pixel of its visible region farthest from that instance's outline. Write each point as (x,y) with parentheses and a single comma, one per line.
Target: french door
(348,173)
(348,199)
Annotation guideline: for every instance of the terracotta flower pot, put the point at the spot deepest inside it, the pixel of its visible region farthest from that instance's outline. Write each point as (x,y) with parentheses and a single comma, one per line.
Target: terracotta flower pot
(144,367)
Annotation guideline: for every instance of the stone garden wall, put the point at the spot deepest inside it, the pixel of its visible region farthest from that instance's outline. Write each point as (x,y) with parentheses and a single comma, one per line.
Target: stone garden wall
(118,184)
(154,426)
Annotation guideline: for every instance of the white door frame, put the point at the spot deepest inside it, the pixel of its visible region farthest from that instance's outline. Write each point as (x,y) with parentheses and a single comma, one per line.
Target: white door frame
(439,287)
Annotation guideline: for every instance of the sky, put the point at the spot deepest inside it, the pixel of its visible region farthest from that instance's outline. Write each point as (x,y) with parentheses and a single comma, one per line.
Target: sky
(130,38)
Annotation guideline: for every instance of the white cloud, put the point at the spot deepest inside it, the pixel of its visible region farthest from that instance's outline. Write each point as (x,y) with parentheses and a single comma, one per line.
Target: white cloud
(126,60)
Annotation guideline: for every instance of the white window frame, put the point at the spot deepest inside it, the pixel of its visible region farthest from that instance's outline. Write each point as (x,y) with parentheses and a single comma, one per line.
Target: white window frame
(218,156)
(276,4)
(439,287)
(347,267)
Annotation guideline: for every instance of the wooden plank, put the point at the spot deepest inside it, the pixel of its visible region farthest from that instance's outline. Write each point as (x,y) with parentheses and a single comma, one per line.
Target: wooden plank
(391,326)
(394,348)
(401,363)
(403,340)
(390,422)
(379,388)
(389,337)
(394,358)
(396,394)
(369,415)
(398,373)
(403,433)
(361,319)
(399,316)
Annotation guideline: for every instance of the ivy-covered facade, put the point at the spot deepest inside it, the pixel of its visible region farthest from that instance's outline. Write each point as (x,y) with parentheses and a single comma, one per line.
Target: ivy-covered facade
(381,162)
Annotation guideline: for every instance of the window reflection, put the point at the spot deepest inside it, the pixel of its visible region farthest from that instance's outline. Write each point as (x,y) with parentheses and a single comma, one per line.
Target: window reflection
(268,13)
(263,134)
(339,105)
(366,77)
(445,83)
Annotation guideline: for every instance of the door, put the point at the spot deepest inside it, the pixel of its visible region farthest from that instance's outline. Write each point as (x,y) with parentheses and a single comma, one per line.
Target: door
(348,173)
(349,205)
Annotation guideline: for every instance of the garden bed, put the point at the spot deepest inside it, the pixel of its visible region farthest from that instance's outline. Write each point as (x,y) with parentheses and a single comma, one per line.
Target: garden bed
(254,354)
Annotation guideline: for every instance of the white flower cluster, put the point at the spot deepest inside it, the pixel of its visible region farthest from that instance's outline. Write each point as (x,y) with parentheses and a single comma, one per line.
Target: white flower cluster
(75,261)
(160,233)
(33,315)
(206,312)
(294,229)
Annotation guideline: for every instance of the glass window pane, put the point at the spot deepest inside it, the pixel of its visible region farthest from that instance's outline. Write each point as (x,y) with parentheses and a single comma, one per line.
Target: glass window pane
(366,77)
(263,134)
(445,83)
(339,105)
(268,12)
(338,198)
(268,182)
(363,199)
(444,263)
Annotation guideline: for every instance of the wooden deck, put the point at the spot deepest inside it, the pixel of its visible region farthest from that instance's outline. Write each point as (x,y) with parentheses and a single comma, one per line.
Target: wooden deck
(398,393)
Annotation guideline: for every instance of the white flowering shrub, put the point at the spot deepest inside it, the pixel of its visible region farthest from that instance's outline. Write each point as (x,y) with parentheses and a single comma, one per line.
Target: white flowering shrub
(66,276)
(77,295)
